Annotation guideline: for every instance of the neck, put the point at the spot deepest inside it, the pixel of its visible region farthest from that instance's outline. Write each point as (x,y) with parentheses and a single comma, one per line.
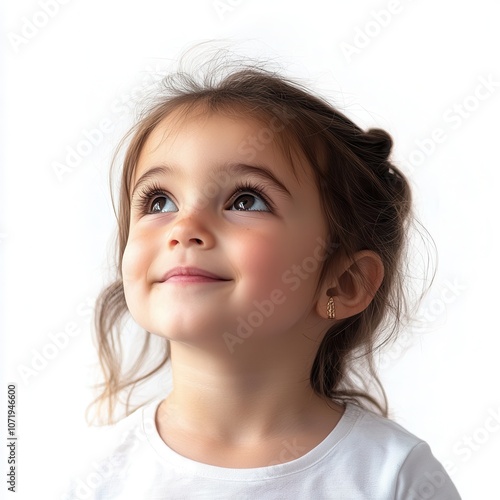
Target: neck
(243,398)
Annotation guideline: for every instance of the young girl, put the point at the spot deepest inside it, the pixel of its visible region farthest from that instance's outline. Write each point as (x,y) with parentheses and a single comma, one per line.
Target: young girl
(261,237)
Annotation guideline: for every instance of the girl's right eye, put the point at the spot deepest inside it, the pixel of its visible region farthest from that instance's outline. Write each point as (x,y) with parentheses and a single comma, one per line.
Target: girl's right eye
(160,204)
(153,200)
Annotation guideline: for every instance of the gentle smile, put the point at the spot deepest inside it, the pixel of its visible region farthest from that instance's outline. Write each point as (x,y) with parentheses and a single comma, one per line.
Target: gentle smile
(191,275)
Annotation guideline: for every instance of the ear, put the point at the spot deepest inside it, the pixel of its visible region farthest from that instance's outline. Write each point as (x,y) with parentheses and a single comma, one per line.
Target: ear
(353,287)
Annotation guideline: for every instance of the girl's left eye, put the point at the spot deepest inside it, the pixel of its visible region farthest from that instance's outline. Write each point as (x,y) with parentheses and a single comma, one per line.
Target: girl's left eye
(250,198)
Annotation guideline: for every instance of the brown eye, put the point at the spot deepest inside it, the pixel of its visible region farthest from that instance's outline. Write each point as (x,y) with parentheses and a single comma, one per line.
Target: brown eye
(161,204)
(244,202)
(249,199)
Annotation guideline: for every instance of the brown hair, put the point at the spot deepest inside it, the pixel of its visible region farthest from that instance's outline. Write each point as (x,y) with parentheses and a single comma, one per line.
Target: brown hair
(366,201)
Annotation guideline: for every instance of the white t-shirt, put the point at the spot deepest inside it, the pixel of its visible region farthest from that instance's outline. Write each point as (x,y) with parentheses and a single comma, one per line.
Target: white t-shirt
(365,456)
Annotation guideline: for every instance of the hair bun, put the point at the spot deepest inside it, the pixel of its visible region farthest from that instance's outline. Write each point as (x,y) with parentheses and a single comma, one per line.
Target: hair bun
(379,143)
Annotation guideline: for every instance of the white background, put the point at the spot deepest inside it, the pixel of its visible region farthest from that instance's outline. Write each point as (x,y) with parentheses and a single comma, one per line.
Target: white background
(88,62)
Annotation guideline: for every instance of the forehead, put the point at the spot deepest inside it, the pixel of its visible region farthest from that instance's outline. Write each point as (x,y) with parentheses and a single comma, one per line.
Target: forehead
(238,135)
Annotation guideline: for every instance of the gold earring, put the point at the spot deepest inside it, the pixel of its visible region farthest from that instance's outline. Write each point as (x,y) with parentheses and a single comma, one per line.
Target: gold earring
(330,308)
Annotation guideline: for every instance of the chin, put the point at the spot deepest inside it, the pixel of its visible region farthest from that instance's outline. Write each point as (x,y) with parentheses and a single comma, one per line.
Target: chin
(181,331)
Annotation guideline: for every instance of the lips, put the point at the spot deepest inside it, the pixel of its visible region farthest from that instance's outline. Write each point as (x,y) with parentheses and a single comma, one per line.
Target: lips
(178,272)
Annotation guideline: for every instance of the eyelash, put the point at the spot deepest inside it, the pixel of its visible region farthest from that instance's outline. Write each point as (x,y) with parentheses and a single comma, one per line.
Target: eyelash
(148,192)
(146,195)
(253,188)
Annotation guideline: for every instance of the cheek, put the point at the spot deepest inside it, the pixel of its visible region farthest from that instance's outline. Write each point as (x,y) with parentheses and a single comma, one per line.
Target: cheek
(281,260)
(134,262)
(262,260)
(256,249)
(135,265)
(130,263)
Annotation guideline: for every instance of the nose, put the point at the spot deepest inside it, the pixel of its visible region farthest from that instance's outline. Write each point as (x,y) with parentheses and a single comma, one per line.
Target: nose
(192,230)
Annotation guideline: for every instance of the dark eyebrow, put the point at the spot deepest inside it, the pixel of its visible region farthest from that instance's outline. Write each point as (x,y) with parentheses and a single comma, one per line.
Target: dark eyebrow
(256,170)
(233,169)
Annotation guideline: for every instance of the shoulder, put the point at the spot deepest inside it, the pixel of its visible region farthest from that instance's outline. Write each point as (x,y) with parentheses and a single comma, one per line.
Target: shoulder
(379,432)
(388,450)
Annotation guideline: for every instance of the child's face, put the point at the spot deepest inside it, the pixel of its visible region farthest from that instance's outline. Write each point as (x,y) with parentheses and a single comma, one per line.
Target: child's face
(270,258)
